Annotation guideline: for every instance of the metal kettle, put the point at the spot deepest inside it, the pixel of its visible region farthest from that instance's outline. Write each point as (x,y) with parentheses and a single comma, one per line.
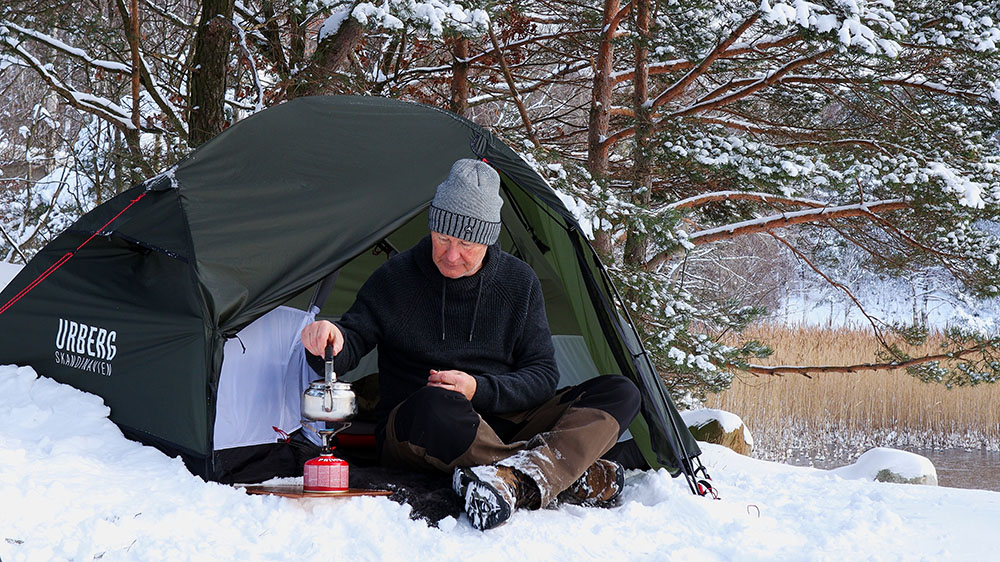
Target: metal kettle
(328,400)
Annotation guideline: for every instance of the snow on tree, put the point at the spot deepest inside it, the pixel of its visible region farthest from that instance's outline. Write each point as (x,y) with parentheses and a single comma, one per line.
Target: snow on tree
(863,122)
(706,146)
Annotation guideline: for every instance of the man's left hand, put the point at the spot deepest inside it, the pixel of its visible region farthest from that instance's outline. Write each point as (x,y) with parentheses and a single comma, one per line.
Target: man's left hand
(459,381)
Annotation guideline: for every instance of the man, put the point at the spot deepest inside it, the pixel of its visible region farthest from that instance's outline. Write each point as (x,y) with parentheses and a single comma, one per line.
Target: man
(467,376)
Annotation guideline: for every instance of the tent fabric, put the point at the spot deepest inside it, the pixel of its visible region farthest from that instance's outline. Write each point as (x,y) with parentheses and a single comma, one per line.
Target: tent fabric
(144,315)
(573,360)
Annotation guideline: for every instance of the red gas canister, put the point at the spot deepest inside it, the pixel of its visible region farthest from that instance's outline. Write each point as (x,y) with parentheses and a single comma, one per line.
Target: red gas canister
(325,474)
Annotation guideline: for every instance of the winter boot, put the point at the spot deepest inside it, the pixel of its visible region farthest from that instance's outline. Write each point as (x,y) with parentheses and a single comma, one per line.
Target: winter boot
(492,493)
(600,485)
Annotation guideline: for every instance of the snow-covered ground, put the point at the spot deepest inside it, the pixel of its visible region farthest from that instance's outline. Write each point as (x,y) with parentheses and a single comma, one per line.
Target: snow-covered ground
(7,272)
(72,488)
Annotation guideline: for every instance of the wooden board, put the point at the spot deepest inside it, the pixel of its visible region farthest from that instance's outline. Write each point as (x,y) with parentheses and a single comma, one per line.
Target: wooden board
(292,491)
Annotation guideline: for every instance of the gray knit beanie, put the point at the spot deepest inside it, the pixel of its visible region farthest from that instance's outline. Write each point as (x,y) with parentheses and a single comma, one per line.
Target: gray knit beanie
(467,203)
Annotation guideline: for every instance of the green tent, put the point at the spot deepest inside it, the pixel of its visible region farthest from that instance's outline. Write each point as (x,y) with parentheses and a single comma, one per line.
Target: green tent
(179,301)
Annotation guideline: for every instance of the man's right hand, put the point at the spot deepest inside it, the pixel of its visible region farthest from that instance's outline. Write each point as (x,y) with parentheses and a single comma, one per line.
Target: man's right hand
(315,336)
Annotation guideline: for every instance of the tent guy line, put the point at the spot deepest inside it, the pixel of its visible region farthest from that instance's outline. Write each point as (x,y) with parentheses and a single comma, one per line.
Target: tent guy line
(65,258)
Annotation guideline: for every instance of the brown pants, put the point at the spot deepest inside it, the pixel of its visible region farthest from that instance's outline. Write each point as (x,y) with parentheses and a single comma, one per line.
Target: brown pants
(553,443)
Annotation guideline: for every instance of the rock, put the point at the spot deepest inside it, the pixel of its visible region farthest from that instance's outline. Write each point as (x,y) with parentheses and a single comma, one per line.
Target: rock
(886,475)
(720,427)
(883,464)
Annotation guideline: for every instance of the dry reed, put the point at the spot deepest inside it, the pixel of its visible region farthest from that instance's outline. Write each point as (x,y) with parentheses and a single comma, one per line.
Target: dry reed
(849,412)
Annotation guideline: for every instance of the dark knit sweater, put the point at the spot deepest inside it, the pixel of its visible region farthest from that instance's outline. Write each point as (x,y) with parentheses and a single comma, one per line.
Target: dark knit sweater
(491,325)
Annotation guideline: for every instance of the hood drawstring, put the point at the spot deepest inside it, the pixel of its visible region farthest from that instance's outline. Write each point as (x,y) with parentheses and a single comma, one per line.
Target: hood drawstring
(475,309)
(444,286)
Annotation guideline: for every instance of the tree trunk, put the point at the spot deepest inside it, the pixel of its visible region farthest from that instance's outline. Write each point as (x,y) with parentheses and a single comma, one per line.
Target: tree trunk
(636,242)
(138,167)
(600,115)
(272,33)
(296,40)
(133,39)
(392,52)
(119,169)
(321,72)
(459,101)
(207,117)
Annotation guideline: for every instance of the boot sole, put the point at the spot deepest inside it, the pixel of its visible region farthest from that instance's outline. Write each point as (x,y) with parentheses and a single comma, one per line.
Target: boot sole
(484,505)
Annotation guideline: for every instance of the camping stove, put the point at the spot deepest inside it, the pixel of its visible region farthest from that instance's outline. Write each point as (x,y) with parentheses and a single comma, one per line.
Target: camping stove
(326,474)
(334,403)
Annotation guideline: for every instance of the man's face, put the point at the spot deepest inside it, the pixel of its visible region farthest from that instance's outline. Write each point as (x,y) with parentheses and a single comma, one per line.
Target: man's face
(455,257)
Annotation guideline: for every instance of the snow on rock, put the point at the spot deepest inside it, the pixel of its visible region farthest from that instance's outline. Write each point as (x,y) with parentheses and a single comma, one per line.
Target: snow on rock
(890,465)
(73,488)
(719,426)
(700,417)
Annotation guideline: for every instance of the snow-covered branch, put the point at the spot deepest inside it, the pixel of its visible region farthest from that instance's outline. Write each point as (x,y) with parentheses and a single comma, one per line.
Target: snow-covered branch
(677,88)
(781,220)
(735,50)
(798,217)
(702,199)
(60,46)
(174,18)
(904,82)
(534,39)
(162,100)
(13,244)
(83,100)
(500,90)
(839,286)
(709,103)
(102,107)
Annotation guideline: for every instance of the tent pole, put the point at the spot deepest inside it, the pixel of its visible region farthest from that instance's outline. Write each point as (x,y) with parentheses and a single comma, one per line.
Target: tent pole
(682,454)
(572,230)
(685,460)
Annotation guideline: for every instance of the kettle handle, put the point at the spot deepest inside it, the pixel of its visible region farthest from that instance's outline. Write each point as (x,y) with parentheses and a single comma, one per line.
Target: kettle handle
(328,394)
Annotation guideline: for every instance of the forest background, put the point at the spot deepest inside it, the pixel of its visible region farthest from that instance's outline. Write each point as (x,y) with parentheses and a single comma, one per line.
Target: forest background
(833,162)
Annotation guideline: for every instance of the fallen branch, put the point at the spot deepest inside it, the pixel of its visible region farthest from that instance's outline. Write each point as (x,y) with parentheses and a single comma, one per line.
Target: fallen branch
(806,370)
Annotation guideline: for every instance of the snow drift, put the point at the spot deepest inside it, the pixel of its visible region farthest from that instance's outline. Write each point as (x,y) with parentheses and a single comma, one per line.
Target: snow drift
(72,488)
